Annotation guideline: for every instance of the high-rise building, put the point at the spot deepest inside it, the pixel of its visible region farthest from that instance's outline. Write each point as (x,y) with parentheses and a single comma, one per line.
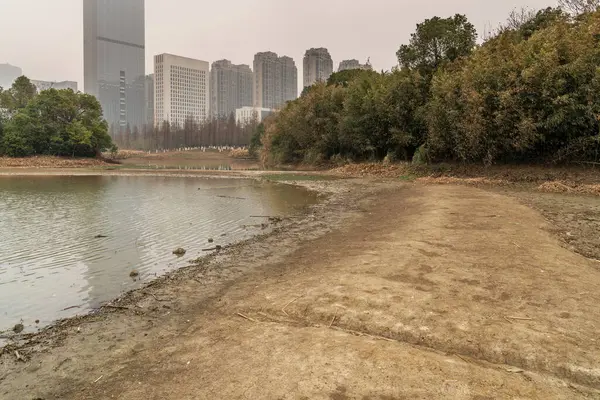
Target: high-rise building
(181,89)
(8,74)
(318,66)
(149,98)
(45,85)
(247,115)
(275,80)
(354,64)
(114,56)
(230,88)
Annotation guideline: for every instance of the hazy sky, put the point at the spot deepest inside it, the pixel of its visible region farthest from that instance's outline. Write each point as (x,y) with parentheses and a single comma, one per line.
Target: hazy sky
(45,37)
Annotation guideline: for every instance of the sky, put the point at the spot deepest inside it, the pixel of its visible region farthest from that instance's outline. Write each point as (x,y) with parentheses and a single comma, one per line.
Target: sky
(45,37)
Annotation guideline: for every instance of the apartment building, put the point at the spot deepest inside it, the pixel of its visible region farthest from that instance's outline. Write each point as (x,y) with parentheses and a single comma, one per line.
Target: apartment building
(318,66)
(246,115)
(181,89)
(230,88)
(45,85)
(354,64)
(275,80)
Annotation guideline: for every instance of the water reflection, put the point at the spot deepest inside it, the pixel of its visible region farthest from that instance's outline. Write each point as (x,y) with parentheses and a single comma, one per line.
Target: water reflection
(52,259)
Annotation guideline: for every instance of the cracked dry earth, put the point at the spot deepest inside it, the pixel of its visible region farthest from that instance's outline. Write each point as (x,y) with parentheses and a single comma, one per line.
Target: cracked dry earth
(419,292)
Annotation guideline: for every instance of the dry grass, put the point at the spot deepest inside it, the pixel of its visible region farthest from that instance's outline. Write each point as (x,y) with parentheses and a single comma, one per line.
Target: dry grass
(239,153)
(125,154)
(51,162)
(567,187)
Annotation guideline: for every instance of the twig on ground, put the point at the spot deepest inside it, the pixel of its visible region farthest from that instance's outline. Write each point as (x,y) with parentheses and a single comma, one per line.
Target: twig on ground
(334,317)
(508,320)
(101,376)
(230,197)
(284,307)
(520,318)
(246,317)
(516,245)
(70,308)
(19,356)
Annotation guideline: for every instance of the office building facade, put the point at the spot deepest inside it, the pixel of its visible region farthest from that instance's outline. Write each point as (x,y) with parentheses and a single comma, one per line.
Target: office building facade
(181,90)
(318,66)
(230,88)
(149,98)
(275,80)
(114,57)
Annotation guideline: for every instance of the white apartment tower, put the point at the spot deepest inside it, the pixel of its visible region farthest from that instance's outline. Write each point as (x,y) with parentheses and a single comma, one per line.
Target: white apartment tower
(181,89)
(275,80)
(318,66)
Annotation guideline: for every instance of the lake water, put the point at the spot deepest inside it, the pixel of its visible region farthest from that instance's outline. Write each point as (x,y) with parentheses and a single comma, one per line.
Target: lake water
(51,257)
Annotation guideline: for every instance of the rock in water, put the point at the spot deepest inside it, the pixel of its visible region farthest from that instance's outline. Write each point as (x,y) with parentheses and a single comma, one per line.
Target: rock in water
(179,252)
(134,274)
(18,328)
(211,240)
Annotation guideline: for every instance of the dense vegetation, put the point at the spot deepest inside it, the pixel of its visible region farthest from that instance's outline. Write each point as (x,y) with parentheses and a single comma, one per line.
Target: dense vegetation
(529,93)
(212,132)
(53,122)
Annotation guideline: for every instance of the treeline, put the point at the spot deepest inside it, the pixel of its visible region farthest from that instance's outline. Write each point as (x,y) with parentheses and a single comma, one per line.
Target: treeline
(53,122)
(212,132)
(529,93)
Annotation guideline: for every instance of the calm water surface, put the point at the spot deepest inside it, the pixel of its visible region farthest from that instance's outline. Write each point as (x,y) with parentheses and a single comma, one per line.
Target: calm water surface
(51,258)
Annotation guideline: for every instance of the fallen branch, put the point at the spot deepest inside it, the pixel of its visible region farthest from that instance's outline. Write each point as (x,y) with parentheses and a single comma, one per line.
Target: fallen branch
(334,317)
(96,381)
(19,357)
(230,197)
(70,308)
(283,309)
(246,317)
(214,248)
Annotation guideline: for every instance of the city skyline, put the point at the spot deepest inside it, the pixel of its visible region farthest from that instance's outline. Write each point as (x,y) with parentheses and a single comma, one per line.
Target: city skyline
(57,54)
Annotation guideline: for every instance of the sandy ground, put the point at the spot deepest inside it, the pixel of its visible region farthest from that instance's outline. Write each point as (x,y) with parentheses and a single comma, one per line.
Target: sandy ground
(387,290)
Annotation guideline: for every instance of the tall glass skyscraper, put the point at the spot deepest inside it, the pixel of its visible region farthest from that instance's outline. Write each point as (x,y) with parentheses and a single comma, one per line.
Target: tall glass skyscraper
(114,60)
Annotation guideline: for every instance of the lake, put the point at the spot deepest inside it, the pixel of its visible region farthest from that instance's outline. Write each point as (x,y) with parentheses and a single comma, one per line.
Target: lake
(69,244)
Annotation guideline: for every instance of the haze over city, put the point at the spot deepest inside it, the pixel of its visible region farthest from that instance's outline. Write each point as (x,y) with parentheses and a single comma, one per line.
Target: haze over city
(49,43)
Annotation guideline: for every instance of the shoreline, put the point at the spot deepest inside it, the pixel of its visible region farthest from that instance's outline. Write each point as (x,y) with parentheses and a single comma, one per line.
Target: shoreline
(380,268)
(25,340)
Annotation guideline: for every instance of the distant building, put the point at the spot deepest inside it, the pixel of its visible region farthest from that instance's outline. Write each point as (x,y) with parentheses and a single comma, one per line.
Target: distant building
(354,64)
(181,89)
(318,66)
(230,88)
(114,57)
(275,80)
(246,115)
(149,98)
(8,74)
(45,85)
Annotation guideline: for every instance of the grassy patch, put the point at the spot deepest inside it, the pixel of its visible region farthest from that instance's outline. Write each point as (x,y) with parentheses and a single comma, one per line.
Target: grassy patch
(299,177)
(407,178)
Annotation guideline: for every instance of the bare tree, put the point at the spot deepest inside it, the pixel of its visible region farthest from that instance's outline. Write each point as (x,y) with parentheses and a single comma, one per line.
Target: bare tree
(516,19)
(579,6)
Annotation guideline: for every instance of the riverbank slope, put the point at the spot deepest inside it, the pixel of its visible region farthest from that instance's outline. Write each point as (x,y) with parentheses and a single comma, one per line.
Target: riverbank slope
(388,290)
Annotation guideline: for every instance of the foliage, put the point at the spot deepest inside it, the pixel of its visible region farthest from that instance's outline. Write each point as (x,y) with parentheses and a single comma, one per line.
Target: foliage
(343,78)
(436,42)
(521,99)
(18,96)
(579,6)
(55,122)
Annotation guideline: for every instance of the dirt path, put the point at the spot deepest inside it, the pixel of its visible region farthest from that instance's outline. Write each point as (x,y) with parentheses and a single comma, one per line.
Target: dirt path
(428,292)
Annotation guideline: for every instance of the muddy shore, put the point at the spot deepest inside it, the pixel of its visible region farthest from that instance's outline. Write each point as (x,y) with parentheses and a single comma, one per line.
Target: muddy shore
(387,289)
